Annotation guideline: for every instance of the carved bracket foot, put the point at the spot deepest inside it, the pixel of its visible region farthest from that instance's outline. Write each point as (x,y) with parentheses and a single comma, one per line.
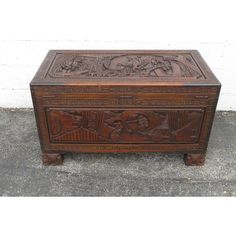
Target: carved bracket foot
(194,159)
(52,159)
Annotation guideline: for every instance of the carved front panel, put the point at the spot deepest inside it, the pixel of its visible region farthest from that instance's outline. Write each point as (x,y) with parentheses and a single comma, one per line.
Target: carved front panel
(72,125)
(157,66)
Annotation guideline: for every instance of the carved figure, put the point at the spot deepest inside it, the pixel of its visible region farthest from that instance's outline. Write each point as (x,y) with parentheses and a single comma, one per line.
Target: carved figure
(116,125)
(126,66)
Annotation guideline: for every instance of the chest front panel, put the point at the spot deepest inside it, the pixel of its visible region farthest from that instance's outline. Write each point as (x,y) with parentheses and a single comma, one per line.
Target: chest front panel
(174,118)
(103,101)
(72,125)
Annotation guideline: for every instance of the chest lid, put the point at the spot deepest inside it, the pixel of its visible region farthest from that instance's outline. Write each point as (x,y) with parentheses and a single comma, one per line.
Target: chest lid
(113,67)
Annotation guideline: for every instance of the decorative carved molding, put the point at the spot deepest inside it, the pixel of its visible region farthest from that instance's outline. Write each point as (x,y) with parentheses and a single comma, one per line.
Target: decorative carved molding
(114,147)
(125,89)
(128,66)
(126,102)
(124,126)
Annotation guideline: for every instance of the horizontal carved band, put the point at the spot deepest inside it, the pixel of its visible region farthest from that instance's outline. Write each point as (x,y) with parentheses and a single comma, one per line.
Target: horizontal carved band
(127,102)
(125,89)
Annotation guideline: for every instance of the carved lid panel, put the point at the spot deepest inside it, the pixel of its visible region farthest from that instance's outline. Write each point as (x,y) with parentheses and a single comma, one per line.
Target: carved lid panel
(74,65)
(141,67)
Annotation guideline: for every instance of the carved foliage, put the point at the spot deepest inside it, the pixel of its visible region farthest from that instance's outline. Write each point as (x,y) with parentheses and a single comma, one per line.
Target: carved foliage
(98,65)
(124,126)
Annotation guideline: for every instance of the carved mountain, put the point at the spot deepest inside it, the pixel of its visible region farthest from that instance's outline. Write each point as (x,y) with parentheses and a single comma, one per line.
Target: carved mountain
(124,126)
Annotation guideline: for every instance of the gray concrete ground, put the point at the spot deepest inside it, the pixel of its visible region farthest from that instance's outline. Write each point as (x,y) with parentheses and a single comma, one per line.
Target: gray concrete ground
(136,174)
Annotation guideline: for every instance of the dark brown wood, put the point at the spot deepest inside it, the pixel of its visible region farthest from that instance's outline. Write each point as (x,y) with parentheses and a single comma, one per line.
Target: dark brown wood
(124,101)
(194,159)
(73,125)
(52,159)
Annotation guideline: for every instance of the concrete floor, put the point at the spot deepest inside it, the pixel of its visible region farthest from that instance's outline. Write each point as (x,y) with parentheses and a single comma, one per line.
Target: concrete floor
(137,174)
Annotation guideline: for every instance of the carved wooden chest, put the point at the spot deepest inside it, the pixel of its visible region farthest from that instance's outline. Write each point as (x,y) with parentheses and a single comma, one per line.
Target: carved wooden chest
(124,101)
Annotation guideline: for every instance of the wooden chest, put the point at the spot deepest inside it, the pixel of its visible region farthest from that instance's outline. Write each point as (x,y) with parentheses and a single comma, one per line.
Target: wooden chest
(124,101)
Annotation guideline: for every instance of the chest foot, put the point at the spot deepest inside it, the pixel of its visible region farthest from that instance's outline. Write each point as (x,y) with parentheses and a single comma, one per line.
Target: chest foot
(194,159)
(52,159)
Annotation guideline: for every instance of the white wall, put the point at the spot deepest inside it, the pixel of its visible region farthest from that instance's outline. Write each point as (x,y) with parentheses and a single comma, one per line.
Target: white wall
(28,29)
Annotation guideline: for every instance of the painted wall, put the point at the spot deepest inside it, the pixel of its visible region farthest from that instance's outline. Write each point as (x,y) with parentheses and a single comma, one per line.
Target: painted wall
(30,28)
